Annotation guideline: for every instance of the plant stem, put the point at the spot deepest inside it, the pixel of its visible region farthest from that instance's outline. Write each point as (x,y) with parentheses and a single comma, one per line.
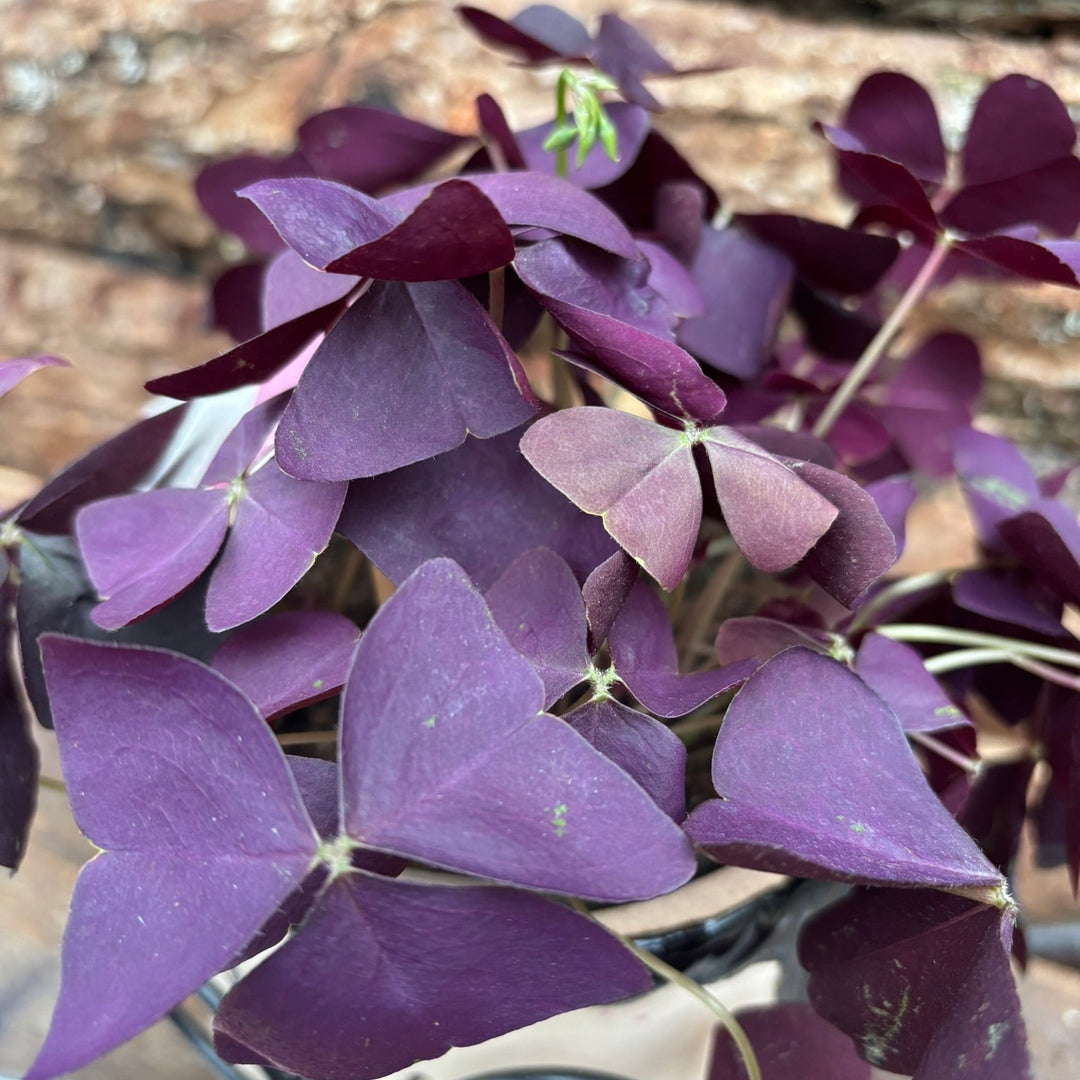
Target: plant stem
(895,590)
(714,1004)
(964,658)
(968,764)
(866,363)
(49,784)
(562,157)
(945,635)
(698,619)
(302,738)
(497,295)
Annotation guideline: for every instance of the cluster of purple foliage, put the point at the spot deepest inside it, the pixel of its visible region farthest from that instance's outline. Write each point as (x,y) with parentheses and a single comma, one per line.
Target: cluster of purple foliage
(386,328)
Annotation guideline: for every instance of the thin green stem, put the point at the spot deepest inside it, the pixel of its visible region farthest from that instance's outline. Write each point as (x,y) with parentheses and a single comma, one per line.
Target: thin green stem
(946,635)
(896,590)
(49,784)
(303,738)
(968,764)
(965,658)
(866,363)
(562,157)
(497,295)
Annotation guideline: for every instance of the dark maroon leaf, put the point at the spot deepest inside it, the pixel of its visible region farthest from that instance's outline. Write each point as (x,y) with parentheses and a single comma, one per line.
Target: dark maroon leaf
(996,809)
(639,477)
(141,550)
(289,659)
(631,125)
(252,361)
(897,672)
(537,603)
(921,981)
(482,505)
(818,811)
(281,525)
(844,261)
(892,115)
(829,327)
(538,33)
(894,497)
(604,591)
(112,468)
(644,657)
(487,784)
(374,997)
(1061,738)
(495,130)
(1057,261)
(680,217)
(192,864)
(791,1042)
(542,202)
(452,232)
(12,372)
(407,373)
(1018,163)
(672,281)
(217,185)
(996,480)
(858,546)
(644,748)
(745,285)
(758,495)
(236,301)
(371,149)
(1046,539)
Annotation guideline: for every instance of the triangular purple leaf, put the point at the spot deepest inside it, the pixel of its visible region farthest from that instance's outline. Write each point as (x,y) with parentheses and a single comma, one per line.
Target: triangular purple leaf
(897,673)
(193,865)
(141,550)
(289,659)
(281,526)
(642,747)
(407,373)
(638,476)
(292,289)
(539,33)
(486,783)
(485,490)
(604,591)
(758,495)
(996,480)
(644,657)
(818,812)
(920,980)
(1046,539)
(12,372)
(1010,597)
(537,603)
(373,998)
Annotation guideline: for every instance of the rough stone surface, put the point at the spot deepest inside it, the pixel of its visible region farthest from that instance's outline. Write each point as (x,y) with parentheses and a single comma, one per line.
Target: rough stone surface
(108,107)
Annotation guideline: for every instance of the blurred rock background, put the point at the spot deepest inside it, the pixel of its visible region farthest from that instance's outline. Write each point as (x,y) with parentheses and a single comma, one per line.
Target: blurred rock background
(108,108)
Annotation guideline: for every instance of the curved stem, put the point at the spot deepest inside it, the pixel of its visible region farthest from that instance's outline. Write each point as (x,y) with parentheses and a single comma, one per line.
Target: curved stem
(866,363)
(895,590)
(968,764)
(945,635)
(722,1013)
(965,658)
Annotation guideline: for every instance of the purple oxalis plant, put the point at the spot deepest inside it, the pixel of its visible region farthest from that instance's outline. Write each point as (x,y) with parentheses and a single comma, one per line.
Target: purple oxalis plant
(549,515)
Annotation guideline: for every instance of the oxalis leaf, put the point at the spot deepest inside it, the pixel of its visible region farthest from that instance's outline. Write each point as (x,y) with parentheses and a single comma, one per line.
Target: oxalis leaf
(816,779)
(921,981)
(174,774)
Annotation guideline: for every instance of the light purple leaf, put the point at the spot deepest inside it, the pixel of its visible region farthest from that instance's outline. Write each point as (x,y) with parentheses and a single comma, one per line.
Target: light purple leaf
(621,52)
(758,496)
(631,125)
(281,526)
(161,757)
(791,1042)
(111,468)
(486,784)
(244,444)
(373,999)
(893,115)
(760,637)
(289,659)
(371,149)
(482,505)
(897,673)
(12,372)
(452,232)
(638,476)
(644,657)
(920,980)
(537,603)
(292,289)
(604,591)
(745,287)
(642,747)
(672,281)
(894,497)
(858,546)
(141,550)
(539,33)
(541,202)
(818,811)
(406,374)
